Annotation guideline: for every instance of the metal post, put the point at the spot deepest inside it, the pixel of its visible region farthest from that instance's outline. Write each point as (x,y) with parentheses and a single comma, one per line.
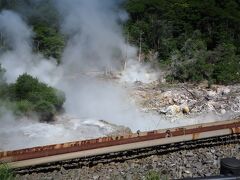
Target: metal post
(140,47)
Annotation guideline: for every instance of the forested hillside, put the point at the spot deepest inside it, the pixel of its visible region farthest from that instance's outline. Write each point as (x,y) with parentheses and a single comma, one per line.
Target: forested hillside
(197,39)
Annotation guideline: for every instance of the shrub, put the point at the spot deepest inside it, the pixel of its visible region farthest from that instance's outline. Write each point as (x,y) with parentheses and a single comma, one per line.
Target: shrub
(23,107)
(45,110)
(152,175)
(28,96)
(5,172)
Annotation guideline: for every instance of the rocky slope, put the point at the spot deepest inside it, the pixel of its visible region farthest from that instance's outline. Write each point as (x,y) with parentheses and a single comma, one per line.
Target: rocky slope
(176,100)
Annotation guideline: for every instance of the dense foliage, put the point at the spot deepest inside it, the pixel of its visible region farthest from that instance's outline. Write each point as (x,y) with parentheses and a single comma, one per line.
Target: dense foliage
(28,97)
(48,41)
(198,39)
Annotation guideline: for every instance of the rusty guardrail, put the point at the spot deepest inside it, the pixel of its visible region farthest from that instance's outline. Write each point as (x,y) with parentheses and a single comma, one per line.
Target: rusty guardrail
(186,133)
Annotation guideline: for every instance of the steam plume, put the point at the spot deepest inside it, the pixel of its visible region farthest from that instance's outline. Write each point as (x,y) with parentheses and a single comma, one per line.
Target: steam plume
(94,43)
(95,40)
(19,58)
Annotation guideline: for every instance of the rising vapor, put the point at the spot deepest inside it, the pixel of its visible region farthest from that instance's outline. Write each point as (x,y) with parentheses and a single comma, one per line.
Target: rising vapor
(95,42)
(19,58)
(95,39)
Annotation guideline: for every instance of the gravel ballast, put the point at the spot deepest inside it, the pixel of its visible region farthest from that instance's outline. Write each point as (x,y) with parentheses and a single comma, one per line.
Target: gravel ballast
(179,164)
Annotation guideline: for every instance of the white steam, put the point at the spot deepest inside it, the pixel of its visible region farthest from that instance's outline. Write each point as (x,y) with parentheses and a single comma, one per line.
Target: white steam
(95,42)
(19,58)
(135,71)
(22,133)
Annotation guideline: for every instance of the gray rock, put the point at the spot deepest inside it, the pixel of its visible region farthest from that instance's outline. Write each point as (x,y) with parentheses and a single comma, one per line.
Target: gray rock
(190,153)
(186,163)
(95,177)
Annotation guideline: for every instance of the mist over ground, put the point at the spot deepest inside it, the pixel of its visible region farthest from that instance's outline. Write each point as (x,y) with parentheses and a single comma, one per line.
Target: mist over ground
(95,43)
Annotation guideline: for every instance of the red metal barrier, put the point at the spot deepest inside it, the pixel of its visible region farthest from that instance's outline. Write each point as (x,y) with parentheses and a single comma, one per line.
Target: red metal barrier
(56,149)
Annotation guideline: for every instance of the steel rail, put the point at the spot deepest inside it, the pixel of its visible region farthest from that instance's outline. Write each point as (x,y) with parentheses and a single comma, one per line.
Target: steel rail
(122,156)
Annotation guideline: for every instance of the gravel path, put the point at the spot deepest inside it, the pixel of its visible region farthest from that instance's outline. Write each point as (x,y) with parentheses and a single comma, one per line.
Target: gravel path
(185,163)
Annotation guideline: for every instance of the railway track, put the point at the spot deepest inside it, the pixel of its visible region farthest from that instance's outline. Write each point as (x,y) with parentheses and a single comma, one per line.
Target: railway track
(120,148)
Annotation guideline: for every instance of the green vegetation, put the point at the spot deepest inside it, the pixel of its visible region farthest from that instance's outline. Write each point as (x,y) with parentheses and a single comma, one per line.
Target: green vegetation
(48,41)
(195,40)
(198,40)
(153,175)
(28,96)
(6,173)
(32,95)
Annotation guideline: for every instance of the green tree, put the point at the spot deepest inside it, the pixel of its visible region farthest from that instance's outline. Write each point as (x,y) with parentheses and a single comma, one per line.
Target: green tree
(227,68)
(48,41)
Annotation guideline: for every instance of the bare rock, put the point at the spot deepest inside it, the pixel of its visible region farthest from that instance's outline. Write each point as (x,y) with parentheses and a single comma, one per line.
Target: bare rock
(185,109)
(223,111)
(211,93)
(117,129)
(173,110)
(223,90)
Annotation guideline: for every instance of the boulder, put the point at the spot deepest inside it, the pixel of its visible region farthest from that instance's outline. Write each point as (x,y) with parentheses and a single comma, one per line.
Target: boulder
(223,90)
(185,109)
(170,101)
(211,93)
(173,110)
(210,106)
(167,94)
